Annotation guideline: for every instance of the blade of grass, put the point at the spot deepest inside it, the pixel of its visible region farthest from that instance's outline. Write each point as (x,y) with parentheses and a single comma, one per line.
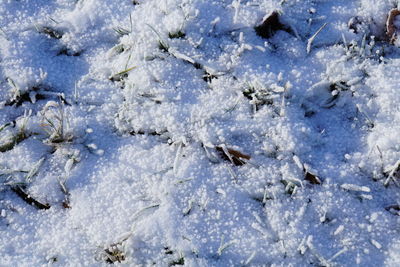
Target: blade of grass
(311,40)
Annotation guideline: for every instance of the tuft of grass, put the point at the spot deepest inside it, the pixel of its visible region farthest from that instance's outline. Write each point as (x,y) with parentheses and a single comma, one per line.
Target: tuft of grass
(162,44)
(34,93)
(55,123)
(259,96)
(208,76)
(114,254)
(121,31)
(19,188)
(4,126)
(16,138)
(30,96)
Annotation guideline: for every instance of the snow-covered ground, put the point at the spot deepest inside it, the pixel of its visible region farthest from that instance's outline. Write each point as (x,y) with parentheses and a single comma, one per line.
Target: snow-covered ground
(189,132)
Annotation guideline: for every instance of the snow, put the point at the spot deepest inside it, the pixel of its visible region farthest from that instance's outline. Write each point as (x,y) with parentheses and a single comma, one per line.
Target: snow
(169,132)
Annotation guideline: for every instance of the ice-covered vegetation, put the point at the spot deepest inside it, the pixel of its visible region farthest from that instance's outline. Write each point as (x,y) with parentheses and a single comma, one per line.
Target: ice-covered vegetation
(199,132)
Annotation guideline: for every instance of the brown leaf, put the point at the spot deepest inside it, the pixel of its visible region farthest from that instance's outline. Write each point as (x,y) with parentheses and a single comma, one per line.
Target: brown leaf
(237,157)
(238,154)
(313,179)
(269,26)
(390,27)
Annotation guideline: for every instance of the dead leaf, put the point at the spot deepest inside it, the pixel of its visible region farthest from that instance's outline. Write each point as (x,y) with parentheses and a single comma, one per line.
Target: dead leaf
(390,27)
(313,179)
(236,157)
(269,26)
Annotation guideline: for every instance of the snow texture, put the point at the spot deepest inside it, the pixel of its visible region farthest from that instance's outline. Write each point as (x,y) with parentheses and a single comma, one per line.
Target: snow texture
(172,132)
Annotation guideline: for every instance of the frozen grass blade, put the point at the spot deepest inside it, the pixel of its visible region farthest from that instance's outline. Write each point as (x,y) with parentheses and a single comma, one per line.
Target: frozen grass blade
(34,170)
(223,246)
(163,44)
(312,38)
(250,258)
(120,75)
(4,126)
(19,190)
(4,33)
(177,158)
(121,31)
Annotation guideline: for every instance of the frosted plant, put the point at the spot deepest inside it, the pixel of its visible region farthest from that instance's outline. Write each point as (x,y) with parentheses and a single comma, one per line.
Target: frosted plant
(55,123)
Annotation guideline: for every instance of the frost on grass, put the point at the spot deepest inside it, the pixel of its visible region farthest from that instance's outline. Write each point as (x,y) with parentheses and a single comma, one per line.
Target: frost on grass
(199,133)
